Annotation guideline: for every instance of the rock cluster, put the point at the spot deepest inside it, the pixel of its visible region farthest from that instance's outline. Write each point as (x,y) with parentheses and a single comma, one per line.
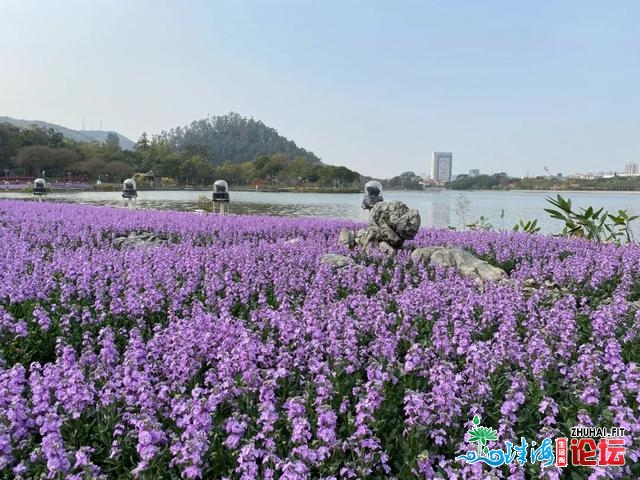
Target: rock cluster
(467,264)
(390,224)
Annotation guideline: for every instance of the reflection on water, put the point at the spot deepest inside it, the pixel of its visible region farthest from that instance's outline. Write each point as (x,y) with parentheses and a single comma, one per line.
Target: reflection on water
(438,212)
(292,210)
(285,204)
(437,208)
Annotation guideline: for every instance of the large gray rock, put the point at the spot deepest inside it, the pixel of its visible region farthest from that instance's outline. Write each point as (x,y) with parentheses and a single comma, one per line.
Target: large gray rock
(143,239)
(467,264)
(347,237)
(336,260)
(390,224)
(424,253)
(384,247)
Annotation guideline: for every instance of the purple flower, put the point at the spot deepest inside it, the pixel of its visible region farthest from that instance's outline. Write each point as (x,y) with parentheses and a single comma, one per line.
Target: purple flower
(246,343)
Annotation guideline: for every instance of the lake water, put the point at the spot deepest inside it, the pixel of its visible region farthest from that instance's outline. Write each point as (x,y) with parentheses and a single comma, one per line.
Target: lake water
(437,208)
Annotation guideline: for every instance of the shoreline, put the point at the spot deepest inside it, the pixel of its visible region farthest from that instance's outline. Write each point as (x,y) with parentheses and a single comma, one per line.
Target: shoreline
(544,191)
(186,189)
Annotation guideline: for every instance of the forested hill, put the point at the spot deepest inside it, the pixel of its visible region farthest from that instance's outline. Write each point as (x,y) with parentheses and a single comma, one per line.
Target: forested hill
(86,136)
(232,138)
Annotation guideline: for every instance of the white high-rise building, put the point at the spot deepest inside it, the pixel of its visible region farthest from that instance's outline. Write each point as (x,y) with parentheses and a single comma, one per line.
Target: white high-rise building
(631,168)
(441,164)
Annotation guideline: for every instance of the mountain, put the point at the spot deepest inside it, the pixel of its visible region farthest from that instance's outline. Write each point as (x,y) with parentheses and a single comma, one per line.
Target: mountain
(220,138)
(233,138)
(86,136)
(100,136)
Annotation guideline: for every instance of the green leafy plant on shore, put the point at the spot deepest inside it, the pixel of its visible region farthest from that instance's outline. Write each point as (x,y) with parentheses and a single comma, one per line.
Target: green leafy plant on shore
(482,224)
(530,226)
(598,225)
(620,226)
(205,203)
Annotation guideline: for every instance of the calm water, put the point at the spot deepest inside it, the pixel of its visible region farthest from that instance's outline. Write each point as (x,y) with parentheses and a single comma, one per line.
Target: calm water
(437,208)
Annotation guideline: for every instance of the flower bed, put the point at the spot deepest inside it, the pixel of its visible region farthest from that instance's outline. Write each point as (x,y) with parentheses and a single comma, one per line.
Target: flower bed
(229,351)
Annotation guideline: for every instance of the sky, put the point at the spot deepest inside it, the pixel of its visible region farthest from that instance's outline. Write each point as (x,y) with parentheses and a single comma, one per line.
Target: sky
(377,86)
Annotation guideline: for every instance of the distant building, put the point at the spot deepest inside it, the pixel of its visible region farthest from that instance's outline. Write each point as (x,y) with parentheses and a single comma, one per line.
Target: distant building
(441,164)
(631,168)
(593,175)
(474,172)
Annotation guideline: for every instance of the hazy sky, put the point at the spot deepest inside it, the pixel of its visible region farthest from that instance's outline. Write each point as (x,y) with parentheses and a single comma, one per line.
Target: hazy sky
(377,86)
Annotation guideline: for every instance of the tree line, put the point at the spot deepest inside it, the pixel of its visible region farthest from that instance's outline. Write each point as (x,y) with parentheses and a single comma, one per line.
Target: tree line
(404,181)
(28,152)
(501,181)
(242,151)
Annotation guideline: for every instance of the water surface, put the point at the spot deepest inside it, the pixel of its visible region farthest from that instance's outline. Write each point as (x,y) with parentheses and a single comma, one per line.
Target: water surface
(437,208)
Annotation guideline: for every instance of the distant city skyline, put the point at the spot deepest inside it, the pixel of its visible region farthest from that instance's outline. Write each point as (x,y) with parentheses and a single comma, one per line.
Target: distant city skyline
(506,86)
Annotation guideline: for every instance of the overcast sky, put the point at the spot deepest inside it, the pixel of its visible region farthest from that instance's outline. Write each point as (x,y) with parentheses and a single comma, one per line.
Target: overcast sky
(377,86)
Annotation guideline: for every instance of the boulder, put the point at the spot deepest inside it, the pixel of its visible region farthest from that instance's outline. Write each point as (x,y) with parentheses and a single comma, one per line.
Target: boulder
(390,224)
(134,240)
(336,260)
(347,238)
(384,247)
(467,264)
(424,253)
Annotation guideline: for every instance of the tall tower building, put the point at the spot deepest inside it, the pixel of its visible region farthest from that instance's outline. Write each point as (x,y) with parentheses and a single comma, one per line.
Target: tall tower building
(631,168)
(441,163)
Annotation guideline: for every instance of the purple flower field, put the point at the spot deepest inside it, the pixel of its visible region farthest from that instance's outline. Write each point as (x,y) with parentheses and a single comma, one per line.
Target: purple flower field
(230,352)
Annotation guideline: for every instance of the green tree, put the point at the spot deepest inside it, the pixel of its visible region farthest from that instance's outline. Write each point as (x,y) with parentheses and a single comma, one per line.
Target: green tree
(119,170)
(301,169)
(234,173)
(55,161)
(142,145)
(93,167)
(404,181)
(168,166)
(113,140)
(195,170)
(9,145)
(40,136)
